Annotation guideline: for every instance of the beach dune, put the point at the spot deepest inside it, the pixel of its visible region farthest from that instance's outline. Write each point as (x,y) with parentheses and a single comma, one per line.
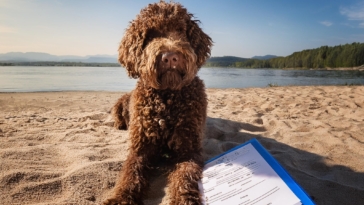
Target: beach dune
(61,147)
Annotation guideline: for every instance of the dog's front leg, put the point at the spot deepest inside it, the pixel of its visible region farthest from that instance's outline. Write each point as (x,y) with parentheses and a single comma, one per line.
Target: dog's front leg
(183,183)
(131,186)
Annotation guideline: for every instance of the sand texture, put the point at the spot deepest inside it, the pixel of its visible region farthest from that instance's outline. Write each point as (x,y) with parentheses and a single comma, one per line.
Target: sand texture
(61,148)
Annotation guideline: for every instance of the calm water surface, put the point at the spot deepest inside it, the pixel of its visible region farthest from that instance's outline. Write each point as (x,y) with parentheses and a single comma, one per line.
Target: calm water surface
(32,79)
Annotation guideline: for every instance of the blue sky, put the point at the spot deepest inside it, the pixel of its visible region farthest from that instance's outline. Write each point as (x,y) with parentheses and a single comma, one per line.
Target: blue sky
(243,28)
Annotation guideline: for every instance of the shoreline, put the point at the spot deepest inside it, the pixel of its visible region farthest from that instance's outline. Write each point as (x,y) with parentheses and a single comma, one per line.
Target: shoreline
(101,65)
(61,148)
(269,85)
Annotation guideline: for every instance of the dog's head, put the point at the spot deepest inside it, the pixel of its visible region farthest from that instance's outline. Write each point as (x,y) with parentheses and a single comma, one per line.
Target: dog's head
(164,46)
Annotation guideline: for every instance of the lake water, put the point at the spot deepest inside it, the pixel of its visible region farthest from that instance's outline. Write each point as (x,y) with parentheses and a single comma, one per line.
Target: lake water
(32,79)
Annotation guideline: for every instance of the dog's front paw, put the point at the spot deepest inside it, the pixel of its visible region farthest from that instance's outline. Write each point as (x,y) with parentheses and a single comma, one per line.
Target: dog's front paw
(120,201)
(112,201)
(115,201)
(188,201)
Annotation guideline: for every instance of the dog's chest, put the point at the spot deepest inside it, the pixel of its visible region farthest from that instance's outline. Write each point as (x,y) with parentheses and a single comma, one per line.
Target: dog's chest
(161,112)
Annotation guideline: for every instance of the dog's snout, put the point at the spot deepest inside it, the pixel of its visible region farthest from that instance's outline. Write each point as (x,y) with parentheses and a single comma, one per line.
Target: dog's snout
(170,59)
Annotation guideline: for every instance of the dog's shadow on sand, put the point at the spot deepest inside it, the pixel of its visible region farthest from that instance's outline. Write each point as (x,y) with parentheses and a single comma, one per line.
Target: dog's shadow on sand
(325,184)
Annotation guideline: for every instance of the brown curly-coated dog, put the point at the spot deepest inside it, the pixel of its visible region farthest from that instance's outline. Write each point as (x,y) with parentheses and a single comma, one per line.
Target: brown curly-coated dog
(164,47)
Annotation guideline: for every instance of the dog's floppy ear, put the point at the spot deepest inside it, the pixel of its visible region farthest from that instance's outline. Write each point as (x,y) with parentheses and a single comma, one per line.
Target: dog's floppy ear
(200,42)
(130,49)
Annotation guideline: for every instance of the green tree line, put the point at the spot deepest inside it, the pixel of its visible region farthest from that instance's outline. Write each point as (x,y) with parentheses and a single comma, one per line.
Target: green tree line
(348,55)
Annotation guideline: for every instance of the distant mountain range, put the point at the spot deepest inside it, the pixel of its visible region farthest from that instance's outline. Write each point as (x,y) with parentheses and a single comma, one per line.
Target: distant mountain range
(36,56)
(266,57)
(39,57)
(340,56)
(230,61)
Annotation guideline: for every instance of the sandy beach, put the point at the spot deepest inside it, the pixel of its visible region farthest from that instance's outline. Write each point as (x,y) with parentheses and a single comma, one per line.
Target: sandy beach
(61,147)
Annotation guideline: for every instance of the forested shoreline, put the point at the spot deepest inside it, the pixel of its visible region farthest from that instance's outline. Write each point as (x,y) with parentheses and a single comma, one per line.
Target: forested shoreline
(348,55)
(341,56)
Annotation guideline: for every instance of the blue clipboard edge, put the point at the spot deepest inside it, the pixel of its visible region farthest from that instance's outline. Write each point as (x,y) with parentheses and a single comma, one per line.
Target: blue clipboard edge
(291,183)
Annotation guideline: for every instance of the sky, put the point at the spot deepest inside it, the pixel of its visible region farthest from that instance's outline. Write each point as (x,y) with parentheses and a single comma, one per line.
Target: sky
(242,28)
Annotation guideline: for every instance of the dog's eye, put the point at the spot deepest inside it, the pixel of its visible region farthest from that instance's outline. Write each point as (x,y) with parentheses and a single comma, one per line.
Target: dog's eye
(147,39)
(181,30)
(151,34)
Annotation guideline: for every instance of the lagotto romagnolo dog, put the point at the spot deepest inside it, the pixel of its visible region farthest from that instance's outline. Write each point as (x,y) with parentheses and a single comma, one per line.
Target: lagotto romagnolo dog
(163,48)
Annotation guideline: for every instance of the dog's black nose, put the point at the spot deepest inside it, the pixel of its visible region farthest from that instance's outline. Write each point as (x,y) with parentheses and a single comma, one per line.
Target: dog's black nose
(170,59)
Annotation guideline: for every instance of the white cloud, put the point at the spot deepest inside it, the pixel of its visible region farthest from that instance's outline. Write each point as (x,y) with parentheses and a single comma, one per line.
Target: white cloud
(354,13)
(326,23)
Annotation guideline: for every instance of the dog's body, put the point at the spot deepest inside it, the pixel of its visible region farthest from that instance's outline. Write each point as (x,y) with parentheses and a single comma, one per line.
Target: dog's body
(166,112)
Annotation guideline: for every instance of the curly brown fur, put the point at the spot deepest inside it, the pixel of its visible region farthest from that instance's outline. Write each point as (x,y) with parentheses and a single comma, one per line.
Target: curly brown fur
(166,112)
(120,112)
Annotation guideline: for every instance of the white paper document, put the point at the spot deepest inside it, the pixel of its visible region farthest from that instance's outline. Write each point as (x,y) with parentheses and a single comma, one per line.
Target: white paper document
(243,177)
